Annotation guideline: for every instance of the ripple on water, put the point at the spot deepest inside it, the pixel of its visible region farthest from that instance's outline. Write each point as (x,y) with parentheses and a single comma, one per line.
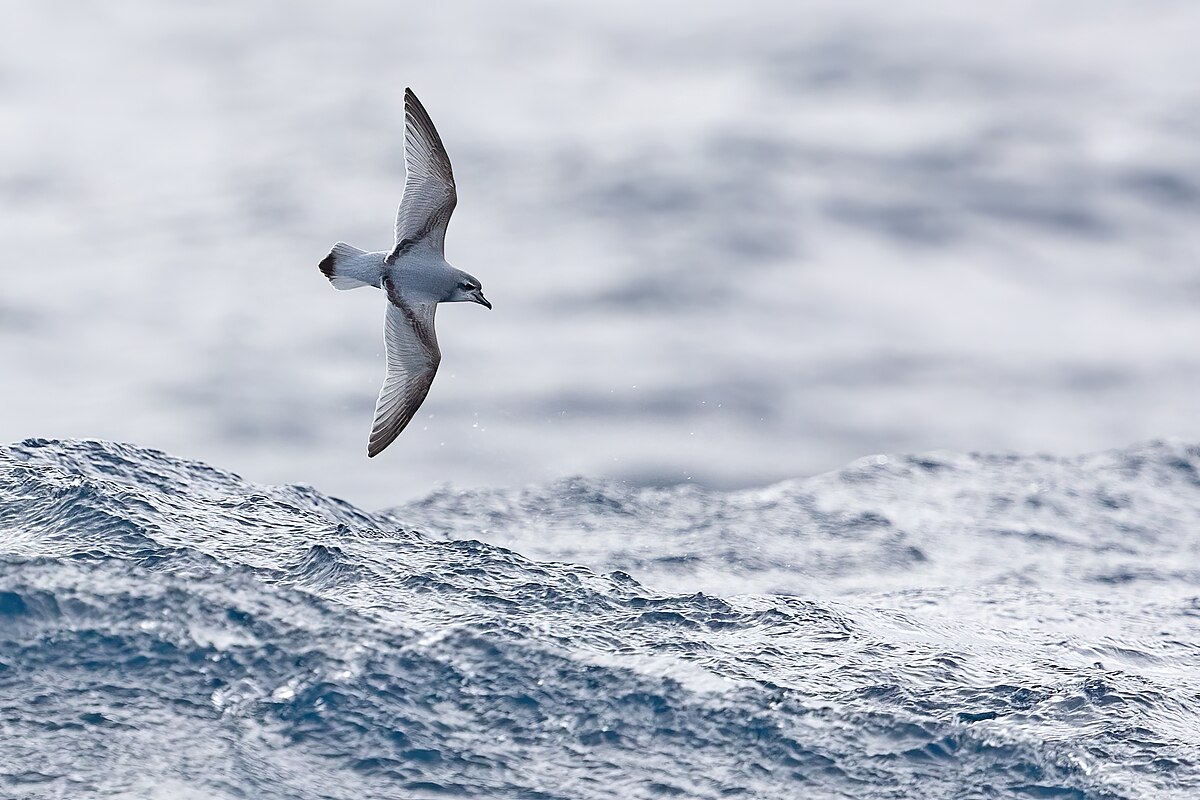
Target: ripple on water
(234,638)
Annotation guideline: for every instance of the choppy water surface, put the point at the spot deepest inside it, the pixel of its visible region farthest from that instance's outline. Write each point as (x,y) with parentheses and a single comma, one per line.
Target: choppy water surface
(942,626)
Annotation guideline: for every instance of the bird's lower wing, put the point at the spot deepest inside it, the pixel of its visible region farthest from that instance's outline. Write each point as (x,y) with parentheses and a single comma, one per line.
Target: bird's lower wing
(412,361)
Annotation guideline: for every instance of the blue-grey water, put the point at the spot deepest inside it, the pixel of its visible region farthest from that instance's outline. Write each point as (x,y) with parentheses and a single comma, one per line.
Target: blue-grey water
(730,245)
(933,626)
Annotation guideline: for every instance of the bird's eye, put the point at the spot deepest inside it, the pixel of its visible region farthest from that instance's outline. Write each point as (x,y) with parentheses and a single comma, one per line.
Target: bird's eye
(466,287)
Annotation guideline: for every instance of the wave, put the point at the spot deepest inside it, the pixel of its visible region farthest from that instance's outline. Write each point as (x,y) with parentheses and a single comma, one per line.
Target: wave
(925,626)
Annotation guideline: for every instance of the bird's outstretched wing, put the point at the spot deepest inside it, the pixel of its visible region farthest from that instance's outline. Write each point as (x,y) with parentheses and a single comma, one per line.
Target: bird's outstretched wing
(412,361)
(429,193)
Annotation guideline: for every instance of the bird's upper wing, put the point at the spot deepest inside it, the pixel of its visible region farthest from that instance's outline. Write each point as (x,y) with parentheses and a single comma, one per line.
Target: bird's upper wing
(429,193)
(412,361)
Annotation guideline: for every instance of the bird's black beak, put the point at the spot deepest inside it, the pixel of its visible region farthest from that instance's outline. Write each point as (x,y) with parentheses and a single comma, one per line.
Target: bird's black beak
(479,298)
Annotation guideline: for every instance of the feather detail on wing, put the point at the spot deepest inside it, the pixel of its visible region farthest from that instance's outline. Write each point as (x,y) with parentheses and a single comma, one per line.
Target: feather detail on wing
(412,361)
(429,193)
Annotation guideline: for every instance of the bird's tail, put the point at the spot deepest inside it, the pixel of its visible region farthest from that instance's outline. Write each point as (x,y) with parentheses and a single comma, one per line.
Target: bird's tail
(348,267)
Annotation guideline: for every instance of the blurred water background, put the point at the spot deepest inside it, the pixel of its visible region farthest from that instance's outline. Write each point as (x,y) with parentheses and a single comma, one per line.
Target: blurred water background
(725,244)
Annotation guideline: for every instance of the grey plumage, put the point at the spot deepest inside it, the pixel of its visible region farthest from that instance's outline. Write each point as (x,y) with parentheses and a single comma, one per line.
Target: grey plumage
(429,192)
(413,357)
(414,275)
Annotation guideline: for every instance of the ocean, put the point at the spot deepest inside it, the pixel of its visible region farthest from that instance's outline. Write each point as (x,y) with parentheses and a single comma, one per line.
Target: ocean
(833,434)
(935,626)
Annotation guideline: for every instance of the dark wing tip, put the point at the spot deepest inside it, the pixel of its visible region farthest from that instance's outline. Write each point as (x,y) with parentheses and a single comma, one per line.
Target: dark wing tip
(414,108)
(379,442)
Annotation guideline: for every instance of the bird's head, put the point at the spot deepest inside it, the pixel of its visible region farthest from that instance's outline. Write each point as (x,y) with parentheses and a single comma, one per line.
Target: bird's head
(468,290)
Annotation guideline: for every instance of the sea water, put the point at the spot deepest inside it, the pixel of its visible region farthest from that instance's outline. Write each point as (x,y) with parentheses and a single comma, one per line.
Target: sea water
(933,626)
